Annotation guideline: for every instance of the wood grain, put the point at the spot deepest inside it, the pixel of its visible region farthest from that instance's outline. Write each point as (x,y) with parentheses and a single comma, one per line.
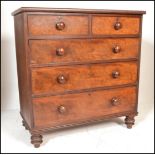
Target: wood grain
(22,69)
(38,10)
(44,80)
(46,25)
(105,25)
(82,50)
(82,107)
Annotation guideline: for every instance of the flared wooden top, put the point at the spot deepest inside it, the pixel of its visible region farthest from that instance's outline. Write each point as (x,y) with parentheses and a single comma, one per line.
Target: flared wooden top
(74,10)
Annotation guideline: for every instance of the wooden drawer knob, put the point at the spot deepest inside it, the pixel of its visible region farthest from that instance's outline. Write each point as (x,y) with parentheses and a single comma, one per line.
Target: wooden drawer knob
(61,79)
(60,52)
(117,49)
(117,26)
(61,109)
(60,26)
(115,101)
(115,74)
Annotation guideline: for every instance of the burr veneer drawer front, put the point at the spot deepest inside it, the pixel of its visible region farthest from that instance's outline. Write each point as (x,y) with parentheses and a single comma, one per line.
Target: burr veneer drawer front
(82,50)
(109,25)
(57,25)
(68,78)
(74,108)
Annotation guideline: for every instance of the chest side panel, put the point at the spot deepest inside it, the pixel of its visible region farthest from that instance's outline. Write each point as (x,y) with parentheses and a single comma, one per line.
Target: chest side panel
(22,68)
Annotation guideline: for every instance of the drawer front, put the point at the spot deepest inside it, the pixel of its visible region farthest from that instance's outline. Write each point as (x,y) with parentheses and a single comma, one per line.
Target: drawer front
(74,108)
(67,78)
(57,25)
(78,50)
(102,25)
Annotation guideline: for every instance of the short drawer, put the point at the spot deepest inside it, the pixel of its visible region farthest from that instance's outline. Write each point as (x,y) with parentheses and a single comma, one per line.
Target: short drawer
(71,78)
(105,25)
(57,25)
(74,108)
(81,50)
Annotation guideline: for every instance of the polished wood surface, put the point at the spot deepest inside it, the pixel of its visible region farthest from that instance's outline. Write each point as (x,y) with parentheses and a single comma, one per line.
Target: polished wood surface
(45,80)
(107,25)
(76,66)
(83,106)
(22,69)
(76,10)
(82,50)
(48,25)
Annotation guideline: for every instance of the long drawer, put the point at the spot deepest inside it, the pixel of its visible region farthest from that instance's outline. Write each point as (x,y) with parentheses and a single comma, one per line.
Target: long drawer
(67,78)
(82,50)
(74,108)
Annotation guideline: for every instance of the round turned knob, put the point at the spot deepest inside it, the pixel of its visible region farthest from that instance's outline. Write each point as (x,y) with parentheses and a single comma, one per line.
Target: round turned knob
(61,109)
(115,74)
(60,52)
(117,26)
(61,79)
(115,101)
(60,25)
(116,49)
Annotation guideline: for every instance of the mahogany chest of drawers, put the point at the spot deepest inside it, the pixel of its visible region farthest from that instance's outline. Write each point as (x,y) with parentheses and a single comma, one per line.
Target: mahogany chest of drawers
(76,66)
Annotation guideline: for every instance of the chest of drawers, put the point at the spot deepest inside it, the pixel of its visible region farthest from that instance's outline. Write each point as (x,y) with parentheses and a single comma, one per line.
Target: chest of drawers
(76,66)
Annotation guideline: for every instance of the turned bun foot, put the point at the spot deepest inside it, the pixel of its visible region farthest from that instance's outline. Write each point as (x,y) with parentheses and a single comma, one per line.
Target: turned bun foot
(130,121)
(36,140)
(25,125)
